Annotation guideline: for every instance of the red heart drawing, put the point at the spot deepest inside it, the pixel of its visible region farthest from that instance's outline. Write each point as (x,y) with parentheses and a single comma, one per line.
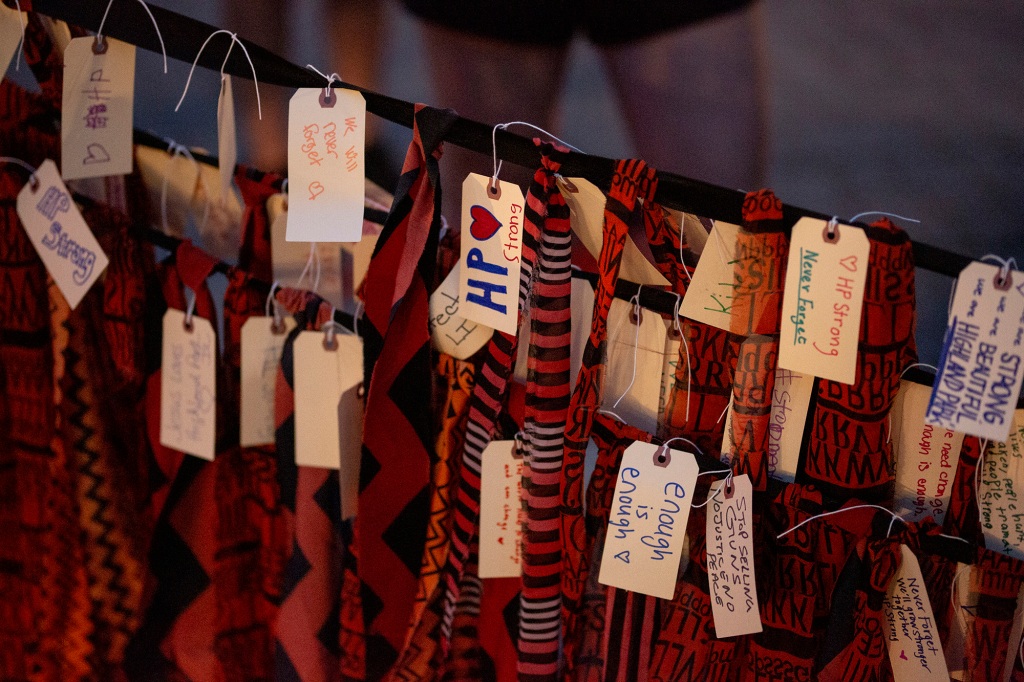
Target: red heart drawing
(484,223)
(850,263)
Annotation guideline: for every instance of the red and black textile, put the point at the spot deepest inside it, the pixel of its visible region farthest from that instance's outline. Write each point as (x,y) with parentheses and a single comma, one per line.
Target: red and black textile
(394,490)
(632,179)
(848,452)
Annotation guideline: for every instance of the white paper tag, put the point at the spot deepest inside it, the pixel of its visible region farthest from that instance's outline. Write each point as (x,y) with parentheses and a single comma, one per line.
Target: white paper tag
(912,636)
(290,258)
(188,385)
(10,35)
(709,294)
(647,525)
(926,456)
(790,398)
(453,334)
(227,140)
(492,240)
(326,174)
(59,234)
(731,559)
(1001,496)
(321,376)
(501,514)
(635,360)
(823,299)
(96,114)
(978,383)
(261,355)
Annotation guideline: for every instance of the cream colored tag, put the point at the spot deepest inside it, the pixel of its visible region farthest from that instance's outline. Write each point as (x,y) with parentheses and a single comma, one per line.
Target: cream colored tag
(634,365)
(261,355)
(227,139)
(290,258)
(321,377)
(96,115)
(647,525)
(1002,493)
(823,299)
(453,334)
(582,319)
(350,442)
(670,364)
(60,235)
(980,373)
(731,559)
(501,535)
(586,206)
(926,456)
(912,636)
(492,240)
(728,442)
(790,398)
(188,385)
(326,174)
(181,174)
(11,23)
(709,295)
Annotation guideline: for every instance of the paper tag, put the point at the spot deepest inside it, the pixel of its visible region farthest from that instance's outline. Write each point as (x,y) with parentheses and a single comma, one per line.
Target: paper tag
(822,301)
(96,115)
(582,314)
(912,636)
(635,360)
(1001,495)
(492,240)
(326,174)
(261,355)
(978,383)
(290,258)
(670,363)
(227,140)
(790,398)
(647,525)
(60,235)
(350,442)
(731,559)
(926,456)
(728,442)
(188,385)
(452,333)
(321,376)
(709,294)
(501,514)
(10,35)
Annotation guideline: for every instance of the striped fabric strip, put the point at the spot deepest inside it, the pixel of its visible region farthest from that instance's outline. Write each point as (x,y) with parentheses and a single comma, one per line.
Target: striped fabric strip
(547,398)
(632,178)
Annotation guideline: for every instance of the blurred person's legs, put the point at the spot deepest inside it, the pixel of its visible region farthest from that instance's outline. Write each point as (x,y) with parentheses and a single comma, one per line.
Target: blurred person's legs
(696,98)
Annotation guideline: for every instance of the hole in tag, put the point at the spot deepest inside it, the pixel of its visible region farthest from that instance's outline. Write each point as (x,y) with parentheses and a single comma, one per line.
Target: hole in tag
(830,234)
(33,183)
(99,46)
(277,327)
(330,343)
(662,458)
(494,188)
(1003,284)
(636,316)
(729,489)
(187,324)
(328,100)
(567,183)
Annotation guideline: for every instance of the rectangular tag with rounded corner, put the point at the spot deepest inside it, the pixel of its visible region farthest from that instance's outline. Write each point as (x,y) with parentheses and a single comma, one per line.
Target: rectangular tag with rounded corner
(1001,492)
(452,333)
(492,240)
(227,139)
(790,399)
(912,635)
(823,300)
(730,552)
(188,385)
(647,524)
(980,373)
(321,377)
(59,234)
(709,294)
(262,344)
(501,512)
(97,108)
(326,172)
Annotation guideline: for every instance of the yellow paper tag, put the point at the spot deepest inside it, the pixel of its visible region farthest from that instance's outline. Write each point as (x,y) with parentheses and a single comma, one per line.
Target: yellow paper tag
(926,456)
(326,174)
(11,23)
(451,333)
(350,444)
(227,141)
(915,651)
(501,536)
(60,235)
(823,299)
(188,385)
(96,115)
(709,294)
(492,244)
(790,398)
(1002,492)
(980,373)
(647,525)
(321,376)
(731,559)
(261,355)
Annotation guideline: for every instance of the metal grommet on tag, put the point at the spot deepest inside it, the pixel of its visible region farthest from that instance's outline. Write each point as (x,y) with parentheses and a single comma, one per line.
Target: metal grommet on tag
(187,324)
(729,489)
(494,188)
(328,99)
(33,183)
(518,448)
(636,316)
(663,457)
(1003,282)
(830,234)
(99,46)
(277,327)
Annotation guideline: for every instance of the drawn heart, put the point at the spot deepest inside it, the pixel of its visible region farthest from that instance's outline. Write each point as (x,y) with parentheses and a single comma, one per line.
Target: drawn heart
(501,540)
(850,263)
(484,223)
(96,153)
